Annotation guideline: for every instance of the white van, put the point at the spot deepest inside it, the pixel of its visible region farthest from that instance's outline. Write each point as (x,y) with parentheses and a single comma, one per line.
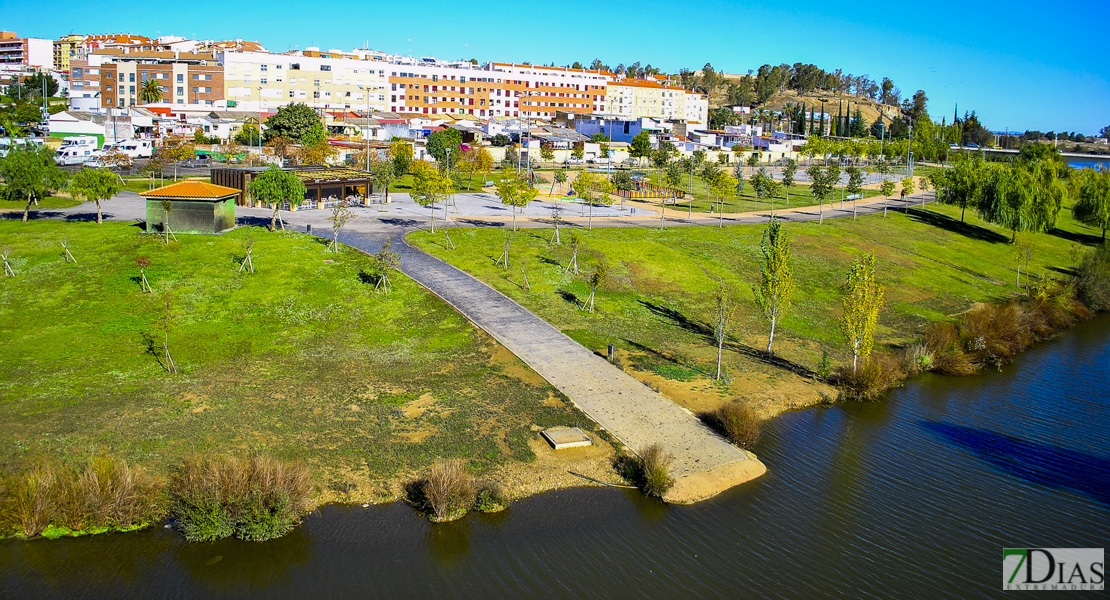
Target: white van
(137,148)
(73,154)
(80,141)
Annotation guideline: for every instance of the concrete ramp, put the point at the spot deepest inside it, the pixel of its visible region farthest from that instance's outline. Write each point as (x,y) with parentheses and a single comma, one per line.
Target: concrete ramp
(704,464)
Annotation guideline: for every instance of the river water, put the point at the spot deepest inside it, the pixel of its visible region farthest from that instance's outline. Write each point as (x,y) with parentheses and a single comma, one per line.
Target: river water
(911,497)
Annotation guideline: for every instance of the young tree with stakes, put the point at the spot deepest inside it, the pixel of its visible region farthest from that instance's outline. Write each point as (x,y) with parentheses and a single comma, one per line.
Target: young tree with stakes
(165,323)
(863,297)
(598,277)
(515,191)
(428,187)
(248,248)
(821,187)
(556,219)
(95,185)
(776,286)
(591,188)
(8,272)
(276,186)
(341,213)
(143,263)
(572,264)
(386,262)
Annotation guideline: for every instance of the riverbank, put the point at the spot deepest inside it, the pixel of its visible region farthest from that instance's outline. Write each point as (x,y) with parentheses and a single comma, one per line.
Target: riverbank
(656,303)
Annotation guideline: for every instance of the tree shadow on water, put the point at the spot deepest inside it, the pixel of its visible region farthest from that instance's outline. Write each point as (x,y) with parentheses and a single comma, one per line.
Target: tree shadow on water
(1037,463)
(705,331)
(942,221)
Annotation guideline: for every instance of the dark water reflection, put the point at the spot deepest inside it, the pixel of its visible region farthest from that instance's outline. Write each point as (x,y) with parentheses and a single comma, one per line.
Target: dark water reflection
(912,497)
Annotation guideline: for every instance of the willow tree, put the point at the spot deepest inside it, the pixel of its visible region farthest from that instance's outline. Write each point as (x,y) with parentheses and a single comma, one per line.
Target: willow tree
(96,185)
(1022,199)
(276,186)
(863,297)
(776,285)
(1093,207)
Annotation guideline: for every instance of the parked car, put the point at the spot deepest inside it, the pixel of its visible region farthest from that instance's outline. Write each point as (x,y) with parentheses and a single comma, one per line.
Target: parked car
(597,161)
(573,161)
(198,161)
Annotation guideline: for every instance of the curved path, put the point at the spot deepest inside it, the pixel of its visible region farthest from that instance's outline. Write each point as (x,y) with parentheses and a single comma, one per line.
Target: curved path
(704,463)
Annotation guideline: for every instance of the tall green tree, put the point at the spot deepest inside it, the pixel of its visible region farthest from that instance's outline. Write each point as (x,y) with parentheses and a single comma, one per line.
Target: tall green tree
(640,146)
(440,141)
(298,122)
(1093,207)
(1022,198)
(31,175)
(821,187)
(776,266)
(95,185)
(862,300)
(276,186)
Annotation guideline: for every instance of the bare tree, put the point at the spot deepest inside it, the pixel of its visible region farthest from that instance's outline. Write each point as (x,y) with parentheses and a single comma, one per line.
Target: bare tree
(556,219)
(65,254)
(598,277)
(723,311)
(503,260)
(573,262)
(165,323)
(385,262)
(248,246)
(143,263)
(8,272)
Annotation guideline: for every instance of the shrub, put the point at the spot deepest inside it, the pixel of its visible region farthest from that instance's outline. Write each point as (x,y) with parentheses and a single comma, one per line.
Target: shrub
(917,358)
(492,497)
(655,470)
(872,379)
(448,492)
(650,471)
(102,495)
(252,497)
(738,423)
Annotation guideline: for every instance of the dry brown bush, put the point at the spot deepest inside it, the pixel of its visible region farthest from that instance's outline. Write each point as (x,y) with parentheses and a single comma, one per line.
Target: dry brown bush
(738,423)
(449,491)
(879,374)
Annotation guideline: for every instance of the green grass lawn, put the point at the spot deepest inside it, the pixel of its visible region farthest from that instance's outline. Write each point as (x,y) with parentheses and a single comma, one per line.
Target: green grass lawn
(659,299)
(301,359)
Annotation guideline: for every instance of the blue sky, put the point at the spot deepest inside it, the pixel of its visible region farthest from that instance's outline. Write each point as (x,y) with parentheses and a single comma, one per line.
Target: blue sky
(1019,64)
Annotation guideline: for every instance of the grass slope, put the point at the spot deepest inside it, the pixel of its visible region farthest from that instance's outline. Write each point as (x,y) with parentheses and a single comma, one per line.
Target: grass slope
(301,359)
(658,302)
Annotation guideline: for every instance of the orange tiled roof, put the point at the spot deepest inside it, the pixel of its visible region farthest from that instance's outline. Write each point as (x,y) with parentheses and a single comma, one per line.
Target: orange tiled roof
(191,189)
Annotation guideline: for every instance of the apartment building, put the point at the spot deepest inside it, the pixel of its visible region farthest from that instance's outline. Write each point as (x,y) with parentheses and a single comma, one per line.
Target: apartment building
(27,52)
(638,98)
(65,48)
(184,77)
(325,81)
(494,90)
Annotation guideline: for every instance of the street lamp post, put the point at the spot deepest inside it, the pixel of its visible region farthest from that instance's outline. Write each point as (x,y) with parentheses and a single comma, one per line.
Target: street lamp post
(260,124)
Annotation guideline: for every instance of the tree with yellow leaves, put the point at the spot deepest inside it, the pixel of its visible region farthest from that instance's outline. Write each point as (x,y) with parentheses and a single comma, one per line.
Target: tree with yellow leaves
(592,188)
(776,286)
(863,298)
(514,190)
(428,186)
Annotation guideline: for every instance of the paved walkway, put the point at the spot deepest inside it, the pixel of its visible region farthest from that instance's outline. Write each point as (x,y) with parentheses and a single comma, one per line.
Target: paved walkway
(704,463)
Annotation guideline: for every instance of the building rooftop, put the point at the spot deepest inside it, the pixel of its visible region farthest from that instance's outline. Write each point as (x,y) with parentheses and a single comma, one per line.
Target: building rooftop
(191,189)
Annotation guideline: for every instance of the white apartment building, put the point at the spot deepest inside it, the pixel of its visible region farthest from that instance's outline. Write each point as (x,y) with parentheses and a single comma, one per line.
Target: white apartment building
(638,98)
(261,81)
